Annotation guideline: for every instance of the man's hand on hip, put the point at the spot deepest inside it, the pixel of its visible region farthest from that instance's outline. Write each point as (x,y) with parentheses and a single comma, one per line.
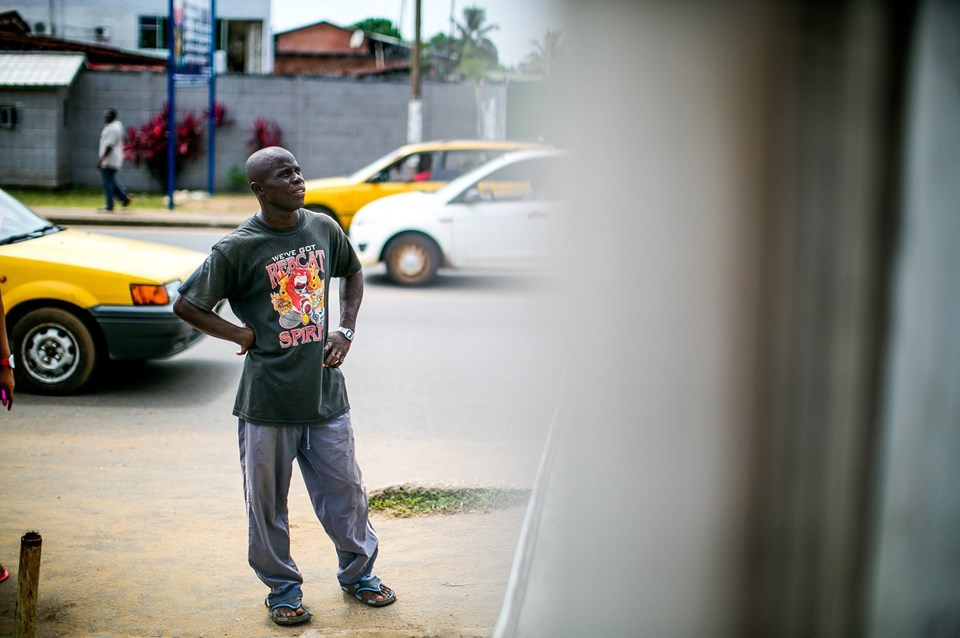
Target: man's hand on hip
(336,350)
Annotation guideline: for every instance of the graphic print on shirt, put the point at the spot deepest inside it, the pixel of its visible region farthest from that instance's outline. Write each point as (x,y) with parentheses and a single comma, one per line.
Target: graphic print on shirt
(297,278)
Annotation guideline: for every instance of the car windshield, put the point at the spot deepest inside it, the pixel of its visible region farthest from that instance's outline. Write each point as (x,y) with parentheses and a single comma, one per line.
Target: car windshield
(374,167)
(19,223)
(521,178)
(455,187)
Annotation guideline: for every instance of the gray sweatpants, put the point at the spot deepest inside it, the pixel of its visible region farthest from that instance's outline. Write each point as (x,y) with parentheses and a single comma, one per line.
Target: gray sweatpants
(325,453)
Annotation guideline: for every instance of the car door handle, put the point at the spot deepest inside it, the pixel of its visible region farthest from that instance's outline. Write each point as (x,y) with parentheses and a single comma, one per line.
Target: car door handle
(536,214)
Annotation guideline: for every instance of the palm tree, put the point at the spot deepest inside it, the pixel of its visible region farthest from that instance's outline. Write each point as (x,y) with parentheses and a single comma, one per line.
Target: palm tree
(548,54)
(473,35)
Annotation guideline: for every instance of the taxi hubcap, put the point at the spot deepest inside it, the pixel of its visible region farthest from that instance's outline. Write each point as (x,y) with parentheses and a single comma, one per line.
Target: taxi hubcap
(51,353)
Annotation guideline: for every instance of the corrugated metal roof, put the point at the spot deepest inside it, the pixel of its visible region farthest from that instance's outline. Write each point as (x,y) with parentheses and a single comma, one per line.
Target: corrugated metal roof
(39,69)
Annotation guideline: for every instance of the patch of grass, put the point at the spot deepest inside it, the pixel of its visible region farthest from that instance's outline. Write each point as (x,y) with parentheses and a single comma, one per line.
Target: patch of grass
(79,197)
(406,500)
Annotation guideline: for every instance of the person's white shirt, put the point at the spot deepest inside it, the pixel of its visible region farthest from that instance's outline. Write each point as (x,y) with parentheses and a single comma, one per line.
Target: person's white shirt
(112,136)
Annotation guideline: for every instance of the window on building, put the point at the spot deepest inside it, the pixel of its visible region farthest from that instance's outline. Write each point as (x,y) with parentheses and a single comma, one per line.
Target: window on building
(8,116)
(152,32)
(220,35)
(239,41)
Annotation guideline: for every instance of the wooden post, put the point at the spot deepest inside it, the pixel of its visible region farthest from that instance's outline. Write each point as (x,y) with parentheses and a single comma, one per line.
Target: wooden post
(415,63)
(29,581)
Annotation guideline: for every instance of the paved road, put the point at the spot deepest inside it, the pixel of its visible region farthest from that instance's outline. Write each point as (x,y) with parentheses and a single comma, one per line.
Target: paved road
(453,373)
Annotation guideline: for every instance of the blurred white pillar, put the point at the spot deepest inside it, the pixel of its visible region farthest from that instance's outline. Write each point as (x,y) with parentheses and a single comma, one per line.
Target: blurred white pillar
(723,311)
(644,515)
(414,121)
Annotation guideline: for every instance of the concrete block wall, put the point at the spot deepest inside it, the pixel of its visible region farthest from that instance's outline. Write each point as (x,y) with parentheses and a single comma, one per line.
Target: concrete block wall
(333,126)
(32,153)
(133,95)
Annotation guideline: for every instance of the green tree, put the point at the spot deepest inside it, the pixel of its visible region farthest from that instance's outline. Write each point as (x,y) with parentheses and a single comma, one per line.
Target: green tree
(476,53)
(441,43)
(470,53)
(547,55)
(445,53)
(474,42)
(383,26)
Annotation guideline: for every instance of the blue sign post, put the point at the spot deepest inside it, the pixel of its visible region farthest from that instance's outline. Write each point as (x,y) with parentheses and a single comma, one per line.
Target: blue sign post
(211,109)
(191,39)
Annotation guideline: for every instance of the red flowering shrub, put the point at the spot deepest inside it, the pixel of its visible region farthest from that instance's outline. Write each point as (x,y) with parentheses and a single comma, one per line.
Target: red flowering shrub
(265,133)
(219,115)
(148,143)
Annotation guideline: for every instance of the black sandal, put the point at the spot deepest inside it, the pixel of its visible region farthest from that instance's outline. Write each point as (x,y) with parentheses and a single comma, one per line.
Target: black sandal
(288,620)
(371,584)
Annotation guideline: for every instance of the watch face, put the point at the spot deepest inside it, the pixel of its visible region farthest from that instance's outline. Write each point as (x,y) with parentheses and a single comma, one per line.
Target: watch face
(348,333)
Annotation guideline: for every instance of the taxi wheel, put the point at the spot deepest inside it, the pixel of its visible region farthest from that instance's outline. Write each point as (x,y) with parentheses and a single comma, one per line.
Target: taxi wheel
(55,352)
(412,260)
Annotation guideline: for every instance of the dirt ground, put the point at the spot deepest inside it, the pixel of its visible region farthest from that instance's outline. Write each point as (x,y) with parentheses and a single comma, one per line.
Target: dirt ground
(146,537)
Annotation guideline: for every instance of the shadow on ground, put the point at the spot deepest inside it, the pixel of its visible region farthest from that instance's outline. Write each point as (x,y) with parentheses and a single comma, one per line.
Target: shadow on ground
(470,281)
(160,384)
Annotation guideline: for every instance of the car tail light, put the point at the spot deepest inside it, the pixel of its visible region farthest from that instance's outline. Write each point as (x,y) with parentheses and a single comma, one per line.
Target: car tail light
(149,295)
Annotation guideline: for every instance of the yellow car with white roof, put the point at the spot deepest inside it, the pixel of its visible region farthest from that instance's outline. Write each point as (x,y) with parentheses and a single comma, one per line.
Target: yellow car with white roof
(424,166)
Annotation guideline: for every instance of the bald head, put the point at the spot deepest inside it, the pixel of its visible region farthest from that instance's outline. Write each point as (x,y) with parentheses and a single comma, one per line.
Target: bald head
(260,164)
(275,178)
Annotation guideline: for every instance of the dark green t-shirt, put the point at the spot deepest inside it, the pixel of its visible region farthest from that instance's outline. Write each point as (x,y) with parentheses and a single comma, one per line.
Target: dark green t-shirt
(277,283)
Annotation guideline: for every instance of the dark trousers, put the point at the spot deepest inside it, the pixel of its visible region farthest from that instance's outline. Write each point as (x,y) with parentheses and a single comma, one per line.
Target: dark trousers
(112,187)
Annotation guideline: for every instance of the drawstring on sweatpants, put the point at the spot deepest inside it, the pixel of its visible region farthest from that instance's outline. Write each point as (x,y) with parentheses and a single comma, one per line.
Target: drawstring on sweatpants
(308,437)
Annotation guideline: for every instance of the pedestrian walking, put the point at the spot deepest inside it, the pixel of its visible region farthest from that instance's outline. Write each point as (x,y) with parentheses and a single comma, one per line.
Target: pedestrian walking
(275,270)
(111,160)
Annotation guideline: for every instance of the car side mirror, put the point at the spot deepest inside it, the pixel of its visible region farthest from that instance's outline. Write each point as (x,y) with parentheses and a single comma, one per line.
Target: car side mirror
(382,176)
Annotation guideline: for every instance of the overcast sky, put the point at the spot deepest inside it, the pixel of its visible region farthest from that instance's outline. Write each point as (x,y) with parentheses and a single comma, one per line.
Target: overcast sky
(520,21)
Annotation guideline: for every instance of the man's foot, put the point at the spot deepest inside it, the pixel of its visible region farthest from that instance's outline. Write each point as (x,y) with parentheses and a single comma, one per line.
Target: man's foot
(104,209)
(371,591)
(127,201)
(288,613)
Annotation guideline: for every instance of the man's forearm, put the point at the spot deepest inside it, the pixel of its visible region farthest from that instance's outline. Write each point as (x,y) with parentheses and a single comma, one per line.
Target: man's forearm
(351,295)
(210,322)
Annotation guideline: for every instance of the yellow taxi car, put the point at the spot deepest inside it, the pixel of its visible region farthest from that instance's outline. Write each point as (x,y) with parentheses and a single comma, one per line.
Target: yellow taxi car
(424,166)
(75,299)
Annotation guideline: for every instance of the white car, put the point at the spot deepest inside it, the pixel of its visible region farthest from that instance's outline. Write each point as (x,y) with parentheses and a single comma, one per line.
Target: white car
(496,216)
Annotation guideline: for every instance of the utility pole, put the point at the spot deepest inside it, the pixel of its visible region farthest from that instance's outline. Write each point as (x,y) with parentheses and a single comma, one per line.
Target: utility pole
(447,66)
(415,108)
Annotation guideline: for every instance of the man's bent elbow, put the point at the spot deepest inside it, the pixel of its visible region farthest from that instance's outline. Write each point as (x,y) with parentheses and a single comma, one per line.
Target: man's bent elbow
(181,308)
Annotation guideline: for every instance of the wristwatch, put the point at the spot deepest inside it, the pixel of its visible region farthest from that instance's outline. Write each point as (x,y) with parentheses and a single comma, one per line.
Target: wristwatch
(347,332)
(7,362)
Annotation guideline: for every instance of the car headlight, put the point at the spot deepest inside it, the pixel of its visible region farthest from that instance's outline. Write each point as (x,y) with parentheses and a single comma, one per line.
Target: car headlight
(153,295)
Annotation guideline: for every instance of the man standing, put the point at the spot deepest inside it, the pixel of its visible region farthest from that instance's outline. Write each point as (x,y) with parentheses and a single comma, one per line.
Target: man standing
(111,159)
(275,270)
